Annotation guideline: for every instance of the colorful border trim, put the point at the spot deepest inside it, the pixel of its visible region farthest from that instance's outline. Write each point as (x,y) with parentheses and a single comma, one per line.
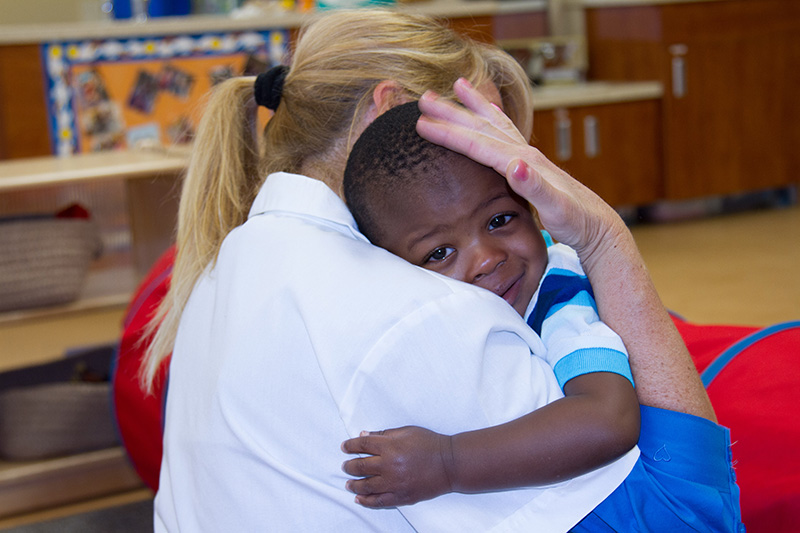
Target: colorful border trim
(59,57)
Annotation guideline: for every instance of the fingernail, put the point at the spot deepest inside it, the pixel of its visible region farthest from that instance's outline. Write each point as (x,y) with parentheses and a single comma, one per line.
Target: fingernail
(465,82)
(520,171)
(430,95)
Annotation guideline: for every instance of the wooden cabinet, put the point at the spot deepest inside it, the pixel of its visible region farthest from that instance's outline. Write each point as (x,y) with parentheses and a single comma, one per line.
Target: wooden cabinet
(23,107)
(731,70)
(614,148)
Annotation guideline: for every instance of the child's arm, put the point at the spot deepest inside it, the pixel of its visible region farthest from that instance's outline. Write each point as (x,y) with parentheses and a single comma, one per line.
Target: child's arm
(595,423)
(597,420)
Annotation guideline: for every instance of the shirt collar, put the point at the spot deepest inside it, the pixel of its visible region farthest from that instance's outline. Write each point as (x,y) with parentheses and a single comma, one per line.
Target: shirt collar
(304,196)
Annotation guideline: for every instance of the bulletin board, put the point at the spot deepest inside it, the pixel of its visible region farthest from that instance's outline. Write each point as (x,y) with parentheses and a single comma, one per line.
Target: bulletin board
(112,94)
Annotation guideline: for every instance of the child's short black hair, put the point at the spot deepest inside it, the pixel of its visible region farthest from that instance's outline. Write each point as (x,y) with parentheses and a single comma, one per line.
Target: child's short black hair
(390,158)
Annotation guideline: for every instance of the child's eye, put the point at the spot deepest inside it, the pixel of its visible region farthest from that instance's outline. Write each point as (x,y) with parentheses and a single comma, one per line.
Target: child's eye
(500,221)
(439,254)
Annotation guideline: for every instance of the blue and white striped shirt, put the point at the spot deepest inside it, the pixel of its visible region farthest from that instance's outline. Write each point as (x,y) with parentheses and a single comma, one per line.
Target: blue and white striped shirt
(564,314)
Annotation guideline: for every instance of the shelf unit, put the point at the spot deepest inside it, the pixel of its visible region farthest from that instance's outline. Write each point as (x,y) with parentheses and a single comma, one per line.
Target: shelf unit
(27,486)
(149,180)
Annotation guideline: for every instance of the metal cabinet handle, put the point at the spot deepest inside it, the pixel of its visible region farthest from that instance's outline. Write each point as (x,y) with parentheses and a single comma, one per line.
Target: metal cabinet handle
(591,140)
(563,135)
(678,52)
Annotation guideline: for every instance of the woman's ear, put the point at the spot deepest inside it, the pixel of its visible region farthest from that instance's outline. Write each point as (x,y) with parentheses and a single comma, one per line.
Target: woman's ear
(387,95)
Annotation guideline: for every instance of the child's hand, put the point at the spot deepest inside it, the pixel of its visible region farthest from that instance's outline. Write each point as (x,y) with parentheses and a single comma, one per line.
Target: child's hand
(405,466)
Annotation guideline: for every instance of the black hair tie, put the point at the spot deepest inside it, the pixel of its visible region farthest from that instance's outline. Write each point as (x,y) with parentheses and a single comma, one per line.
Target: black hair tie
(269,87)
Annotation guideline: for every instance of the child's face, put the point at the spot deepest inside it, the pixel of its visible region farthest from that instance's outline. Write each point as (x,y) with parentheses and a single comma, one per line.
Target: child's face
(472,228)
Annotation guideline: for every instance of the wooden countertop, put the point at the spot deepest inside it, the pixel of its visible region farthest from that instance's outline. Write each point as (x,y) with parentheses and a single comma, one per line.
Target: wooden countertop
(628,3)
(197,24)
(594,93)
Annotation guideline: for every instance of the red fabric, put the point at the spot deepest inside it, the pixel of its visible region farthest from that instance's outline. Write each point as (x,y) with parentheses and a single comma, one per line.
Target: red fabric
(139,415)
(74,211)
(706,342)
(757,395)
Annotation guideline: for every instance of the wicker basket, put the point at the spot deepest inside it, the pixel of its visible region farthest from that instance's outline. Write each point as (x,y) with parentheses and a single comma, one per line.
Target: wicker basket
(55,419)
(44,260)
(58,408)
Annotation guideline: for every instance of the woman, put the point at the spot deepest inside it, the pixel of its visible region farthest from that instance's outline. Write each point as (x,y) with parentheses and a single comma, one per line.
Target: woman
(295,333)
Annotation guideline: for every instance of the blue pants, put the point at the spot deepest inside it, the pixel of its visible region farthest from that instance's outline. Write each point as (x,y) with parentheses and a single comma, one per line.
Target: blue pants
(683,481)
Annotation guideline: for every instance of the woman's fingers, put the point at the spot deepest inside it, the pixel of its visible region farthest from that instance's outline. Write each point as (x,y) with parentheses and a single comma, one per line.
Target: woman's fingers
(476,101)
(480,131)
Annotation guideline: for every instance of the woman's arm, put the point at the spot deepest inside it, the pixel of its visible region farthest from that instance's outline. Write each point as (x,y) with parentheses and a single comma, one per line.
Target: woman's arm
(597,422)
(627,300)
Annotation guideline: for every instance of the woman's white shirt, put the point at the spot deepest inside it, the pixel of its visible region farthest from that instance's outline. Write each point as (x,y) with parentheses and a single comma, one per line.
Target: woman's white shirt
(302,335)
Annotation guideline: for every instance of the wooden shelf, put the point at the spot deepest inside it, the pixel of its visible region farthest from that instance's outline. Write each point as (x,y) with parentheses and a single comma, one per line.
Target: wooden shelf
(150,180)
(125,164)
(29,485)
(595,93)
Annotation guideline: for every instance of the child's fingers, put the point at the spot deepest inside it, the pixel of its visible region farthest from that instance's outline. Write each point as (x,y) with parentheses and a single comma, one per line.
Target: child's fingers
(378,501)
(363,466)
(366,486)
(367,443)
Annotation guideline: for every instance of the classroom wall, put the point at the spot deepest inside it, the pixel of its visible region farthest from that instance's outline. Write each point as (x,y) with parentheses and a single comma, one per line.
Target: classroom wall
(37,11)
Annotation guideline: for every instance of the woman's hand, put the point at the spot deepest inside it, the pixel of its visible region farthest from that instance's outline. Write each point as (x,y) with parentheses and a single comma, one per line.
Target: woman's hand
(405,466)
(626,297)
(571,212)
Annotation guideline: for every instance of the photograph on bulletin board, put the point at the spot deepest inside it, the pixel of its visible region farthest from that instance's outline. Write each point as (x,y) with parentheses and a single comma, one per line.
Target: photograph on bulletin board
(117,94)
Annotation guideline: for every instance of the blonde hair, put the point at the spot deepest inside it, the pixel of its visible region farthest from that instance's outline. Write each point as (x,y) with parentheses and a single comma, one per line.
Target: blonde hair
(339,60)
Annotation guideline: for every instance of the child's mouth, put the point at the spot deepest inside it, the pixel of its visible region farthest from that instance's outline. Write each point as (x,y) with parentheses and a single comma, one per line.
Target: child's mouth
(511,293)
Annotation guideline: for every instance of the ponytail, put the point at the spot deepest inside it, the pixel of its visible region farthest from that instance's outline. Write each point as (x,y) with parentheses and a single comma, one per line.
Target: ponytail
(220,185)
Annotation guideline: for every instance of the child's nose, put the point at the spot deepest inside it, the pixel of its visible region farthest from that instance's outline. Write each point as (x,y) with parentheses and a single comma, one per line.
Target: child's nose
(485,260)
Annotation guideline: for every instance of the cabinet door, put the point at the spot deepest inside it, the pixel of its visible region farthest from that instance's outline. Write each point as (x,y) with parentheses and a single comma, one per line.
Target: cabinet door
(731,103)
(614,149)
(730,71)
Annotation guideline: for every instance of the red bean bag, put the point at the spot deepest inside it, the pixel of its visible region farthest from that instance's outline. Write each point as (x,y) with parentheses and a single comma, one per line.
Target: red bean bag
(139,415)
(751,375)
